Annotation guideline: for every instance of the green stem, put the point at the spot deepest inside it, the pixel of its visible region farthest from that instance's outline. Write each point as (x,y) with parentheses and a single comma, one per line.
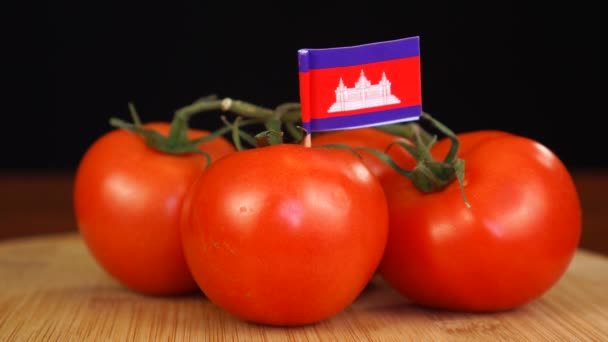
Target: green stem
(428,175)
(293,116)
(237,133)
(296,133)
(228,128)
(236,137)
(451,156)
(285,108)
(408,131)
(200,105)
(158,141)
(268,137)
(177,141)
(211,103)
(248,138)
(246,109)
(134,114)
(179,126)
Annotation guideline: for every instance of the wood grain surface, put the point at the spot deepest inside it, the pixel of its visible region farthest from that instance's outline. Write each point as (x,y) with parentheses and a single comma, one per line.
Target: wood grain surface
(52,290)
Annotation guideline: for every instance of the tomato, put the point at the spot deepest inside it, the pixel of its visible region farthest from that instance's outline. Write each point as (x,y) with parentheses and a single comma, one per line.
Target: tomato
(468,140)
(370,138)
(127,201)
(511,246)
(284,234)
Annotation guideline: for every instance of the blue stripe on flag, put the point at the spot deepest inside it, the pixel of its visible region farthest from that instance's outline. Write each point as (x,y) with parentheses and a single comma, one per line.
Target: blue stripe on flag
(359,54)
(365,119)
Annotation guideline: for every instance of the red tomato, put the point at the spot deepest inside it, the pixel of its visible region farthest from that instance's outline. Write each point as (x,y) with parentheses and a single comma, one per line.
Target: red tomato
(468,140)
(509,248)
(370,138)
(284,234)
(127,200)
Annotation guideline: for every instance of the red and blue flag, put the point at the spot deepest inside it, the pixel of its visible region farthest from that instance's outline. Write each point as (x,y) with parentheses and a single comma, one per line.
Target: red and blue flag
(359,86)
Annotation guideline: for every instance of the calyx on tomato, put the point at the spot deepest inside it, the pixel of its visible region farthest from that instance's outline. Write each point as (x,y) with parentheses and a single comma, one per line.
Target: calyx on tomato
(429,175)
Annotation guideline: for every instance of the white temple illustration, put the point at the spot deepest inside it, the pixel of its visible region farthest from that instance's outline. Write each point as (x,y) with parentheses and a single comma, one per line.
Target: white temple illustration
(363,95)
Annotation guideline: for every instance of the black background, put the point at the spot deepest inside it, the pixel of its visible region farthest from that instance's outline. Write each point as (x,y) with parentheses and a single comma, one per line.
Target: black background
(534,71)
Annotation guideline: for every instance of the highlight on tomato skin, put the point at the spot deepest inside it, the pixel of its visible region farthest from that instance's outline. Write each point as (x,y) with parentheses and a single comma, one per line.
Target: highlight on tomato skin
(285,235)
(509,248)
(127,201)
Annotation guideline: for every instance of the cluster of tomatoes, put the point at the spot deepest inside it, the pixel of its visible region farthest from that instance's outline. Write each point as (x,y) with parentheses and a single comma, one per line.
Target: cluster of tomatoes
(290,235)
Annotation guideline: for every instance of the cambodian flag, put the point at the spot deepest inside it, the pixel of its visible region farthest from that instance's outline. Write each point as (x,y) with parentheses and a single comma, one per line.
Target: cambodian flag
(358,86)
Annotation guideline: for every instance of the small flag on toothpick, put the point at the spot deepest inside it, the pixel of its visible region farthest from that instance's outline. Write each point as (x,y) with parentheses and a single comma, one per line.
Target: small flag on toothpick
(360,86)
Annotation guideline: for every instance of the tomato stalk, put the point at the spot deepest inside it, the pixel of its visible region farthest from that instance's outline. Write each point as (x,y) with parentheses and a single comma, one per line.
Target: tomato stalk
(274,134)
(429,175)
(255,113)
(237,133)
(177,141)
(287,114)
(408,131)
(177,145)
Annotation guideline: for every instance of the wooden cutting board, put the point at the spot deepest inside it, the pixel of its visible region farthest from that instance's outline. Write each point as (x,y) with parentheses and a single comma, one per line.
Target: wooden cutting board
(52,290)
